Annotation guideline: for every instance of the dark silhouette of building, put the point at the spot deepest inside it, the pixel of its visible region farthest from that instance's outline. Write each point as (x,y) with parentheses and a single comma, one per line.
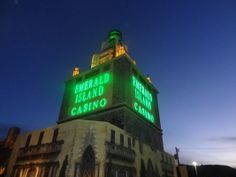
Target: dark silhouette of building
(206,171)
(6,147)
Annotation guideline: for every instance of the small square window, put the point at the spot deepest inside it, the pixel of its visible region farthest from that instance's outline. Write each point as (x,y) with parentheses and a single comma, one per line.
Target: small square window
(133,141)
(140,147)
(113,135)
(55,134)
(129,142)
(28,141)
(121,139)
(40,138)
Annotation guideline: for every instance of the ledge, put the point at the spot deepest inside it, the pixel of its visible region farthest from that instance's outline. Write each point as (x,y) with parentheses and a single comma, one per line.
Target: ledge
(120,152)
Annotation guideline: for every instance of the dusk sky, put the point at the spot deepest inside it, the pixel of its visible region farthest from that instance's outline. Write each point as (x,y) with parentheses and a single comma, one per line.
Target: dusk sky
(188,47)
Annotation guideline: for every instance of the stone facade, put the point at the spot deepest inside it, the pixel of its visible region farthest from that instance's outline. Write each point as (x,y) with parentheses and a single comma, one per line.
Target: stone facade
(111,151)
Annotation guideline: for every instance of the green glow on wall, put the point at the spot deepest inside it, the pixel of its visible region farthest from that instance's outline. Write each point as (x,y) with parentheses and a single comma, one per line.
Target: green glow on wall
(90,94)
(143,100)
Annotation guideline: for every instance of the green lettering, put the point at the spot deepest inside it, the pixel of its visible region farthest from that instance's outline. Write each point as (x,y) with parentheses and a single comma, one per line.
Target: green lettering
(106,78)
(86,85)
(73,111)
(94,94)
(79,111)
(95,104)
(81,87)
(85,107)
(136,106)
(88,95)
(101,80)
(133,79)
(90,85)
(84,96)
(100,90)
(89,107)
(95,82)
(76,88)
(103,102)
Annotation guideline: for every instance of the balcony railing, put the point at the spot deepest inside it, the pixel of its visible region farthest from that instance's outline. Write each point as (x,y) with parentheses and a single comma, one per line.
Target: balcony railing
(118,151)
(41,149)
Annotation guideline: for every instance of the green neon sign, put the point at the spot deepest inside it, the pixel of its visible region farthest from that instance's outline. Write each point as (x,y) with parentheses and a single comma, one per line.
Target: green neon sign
(90,94)
(143,100)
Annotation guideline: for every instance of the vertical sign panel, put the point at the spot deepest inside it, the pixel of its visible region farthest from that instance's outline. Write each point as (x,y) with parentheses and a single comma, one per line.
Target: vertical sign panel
(90,95)
(143,100)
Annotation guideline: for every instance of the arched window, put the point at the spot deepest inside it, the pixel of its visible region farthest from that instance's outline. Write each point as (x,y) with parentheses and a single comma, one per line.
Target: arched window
(142,169)
(157,172)
(150,169)
(88,163)
(18,172)
(46,171)
(31,172)
(121,173)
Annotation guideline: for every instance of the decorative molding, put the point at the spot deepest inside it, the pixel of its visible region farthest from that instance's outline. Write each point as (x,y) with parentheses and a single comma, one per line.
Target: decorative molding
(89,139)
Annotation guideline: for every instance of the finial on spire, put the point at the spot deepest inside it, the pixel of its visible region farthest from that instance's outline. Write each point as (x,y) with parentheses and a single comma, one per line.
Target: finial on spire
(114,35)
(75,71)
(149,78)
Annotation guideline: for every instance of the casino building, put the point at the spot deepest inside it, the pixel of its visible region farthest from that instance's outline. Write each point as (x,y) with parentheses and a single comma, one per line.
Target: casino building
(108,125)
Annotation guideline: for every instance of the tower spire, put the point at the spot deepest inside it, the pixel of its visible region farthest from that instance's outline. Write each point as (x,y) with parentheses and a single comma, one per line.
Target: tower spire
(114,38)
(111,48)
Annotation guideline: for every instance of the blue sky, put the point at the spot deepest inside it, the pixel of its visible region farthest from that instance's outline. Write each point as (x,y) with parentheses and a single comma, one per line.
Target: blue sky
(186,46)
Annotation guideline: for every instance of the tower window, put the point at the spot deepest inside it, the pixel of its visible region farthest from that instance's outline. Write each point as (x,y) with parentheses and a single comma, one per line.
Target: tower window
(28,141)
(133,141)
(140,147)
(113,135)
(121,139)
(40,138)
(55,134)
(129,142)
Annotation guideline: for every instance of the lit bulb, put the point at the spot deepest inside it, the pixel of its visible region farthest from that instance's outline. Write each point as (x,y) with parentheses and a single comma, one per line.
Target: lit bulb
(194,163)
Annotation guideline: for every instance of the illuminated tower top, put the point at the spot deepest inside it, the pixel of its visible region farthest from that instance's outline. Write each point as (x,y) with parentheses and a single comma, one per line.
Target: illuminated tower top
(111,48)
(116,91)
(114,38)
